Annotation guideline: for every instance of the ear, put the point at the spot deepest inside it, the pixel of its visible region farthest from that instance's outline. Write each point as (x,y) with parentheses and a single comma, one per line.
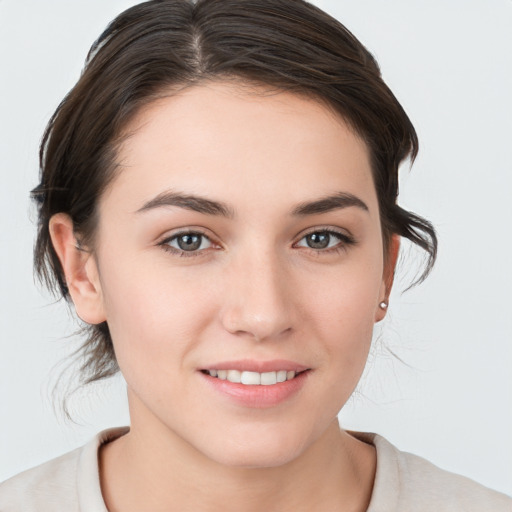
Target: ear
(80,270)
(388,276)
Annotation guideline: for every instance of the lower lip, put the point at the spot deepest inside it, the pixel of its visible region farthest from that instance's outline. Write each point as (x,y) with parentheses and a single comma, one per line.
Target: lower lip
(258,397)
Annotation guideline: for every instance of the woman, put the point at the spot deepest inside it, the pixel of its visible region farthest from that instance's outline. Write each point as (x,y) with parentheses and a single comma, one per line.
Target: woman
(218,199)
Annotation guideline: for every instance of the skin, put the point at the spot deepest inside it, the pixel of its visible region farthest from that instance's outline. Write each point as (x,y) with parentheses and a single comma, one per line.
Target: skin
(254,290)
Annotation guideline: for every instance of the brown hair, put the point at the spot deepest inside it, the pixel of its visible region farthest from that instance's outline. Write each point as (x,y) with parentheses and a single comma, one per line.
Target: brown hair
(287,45)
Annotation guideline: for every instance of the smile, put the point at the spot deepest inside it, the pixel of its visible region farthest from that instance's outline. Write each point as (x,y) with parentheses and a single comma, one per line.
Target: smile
(256,384)
(252,378)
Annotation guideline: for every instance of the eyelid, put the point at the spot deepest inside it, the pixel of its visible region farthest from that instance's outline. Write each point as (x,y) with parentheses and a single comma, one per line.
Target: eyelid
(326,229)
(189,230)
(346,239)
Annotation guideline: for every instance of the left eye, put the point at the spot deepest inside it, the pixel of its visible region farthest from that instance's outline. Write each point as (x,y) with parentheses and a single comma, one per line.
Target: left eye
(189,242)
(321,240)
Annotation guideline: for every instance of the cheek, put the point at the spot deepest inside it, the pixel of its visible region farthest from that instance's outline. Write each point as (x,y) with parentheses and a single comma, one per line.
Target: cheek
(337,322)
(153,315)
(344,316)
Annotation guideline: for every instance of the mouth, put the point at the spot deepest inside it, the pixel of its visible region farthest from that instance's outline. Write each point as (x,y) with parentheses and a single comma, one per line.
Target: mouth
(249,378)
(256,384)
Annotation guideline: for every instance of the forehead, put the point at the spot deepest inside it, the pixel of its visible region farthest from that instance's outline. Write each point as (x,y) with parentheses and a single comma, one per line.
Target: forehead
(226,141)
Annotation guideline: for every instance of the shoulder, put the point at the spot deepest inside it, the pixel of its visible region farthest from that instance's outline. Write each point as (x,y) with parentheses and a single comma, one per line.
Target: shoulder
(406,482)
(449,491)
(50,486)
(69,482)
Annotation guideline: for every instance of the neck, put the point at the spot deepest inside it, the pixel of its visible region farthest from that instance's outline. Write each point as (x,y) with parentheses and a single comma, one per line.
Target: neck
(153,469)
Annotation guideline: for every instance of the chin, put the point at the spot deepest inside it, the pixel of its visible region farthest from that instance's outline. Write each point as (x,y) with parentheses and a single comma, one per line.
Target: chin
(258,448)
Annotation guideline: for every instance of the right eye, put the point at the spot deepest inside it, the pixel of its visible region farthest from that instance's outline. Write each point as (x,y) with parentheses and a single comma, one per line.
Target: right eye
(189,243)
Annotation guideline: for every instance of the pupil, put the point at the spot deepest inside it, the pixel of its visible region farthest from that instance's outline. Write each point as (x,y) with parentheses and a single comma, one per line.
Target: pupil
(318,240)
(189,242)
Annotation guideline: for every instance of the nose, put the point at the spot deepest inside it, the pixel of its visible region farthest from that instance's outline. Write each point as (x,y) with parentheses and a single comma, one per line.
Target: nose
(257,298)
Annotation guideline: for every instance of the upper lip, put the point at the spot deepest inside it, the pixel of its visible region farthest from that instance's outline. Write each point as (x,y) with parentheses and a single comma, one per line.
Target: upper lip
(251,365)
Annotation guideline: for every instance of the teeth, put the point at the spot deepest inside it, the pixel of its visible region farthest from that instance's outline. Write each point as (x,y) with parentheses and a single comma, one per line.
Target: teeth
(234,375)
(281,375)
(268,378)
(253,378)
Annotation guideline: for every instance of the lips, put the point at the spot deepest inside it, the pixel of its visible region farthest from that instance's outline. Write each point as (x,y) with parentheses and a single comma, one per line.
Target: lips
(251,365)
(256,384)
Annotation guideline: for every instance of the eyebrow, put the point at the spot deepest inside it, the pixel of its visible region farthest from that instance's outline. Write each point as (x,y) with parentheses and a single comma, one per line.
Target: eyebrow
(206,206)
(188,202)
(326,204)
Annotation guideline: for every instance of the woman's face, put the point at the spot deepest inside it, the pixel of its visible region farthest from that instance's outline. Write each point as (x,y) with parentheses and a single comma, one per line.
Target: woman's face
(242,233)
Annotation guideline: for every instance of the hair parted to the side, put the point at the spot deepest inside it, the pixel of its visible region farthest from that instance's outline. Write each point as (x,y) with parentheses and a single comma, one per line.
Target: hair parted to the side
(161,45)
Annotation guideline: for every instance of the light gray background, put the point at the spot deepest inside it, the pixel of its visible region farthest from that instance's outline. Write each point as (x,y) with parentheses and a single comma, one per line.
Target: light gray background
(449,64)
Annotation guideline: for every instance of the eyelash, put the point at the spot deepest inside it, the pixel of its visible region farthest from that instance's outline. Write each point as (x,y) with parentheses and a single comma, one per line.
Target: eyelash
(177,252)
(344,239)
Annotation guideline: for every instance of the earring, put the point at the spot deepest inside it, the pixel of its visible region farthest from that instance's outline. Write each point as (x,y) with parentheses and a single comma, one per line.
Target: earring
(383,305)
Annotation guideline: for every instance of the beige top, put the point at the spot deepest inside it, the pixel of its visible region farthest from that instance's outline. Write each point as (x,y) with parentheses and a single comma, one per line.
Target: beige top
(403,483)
